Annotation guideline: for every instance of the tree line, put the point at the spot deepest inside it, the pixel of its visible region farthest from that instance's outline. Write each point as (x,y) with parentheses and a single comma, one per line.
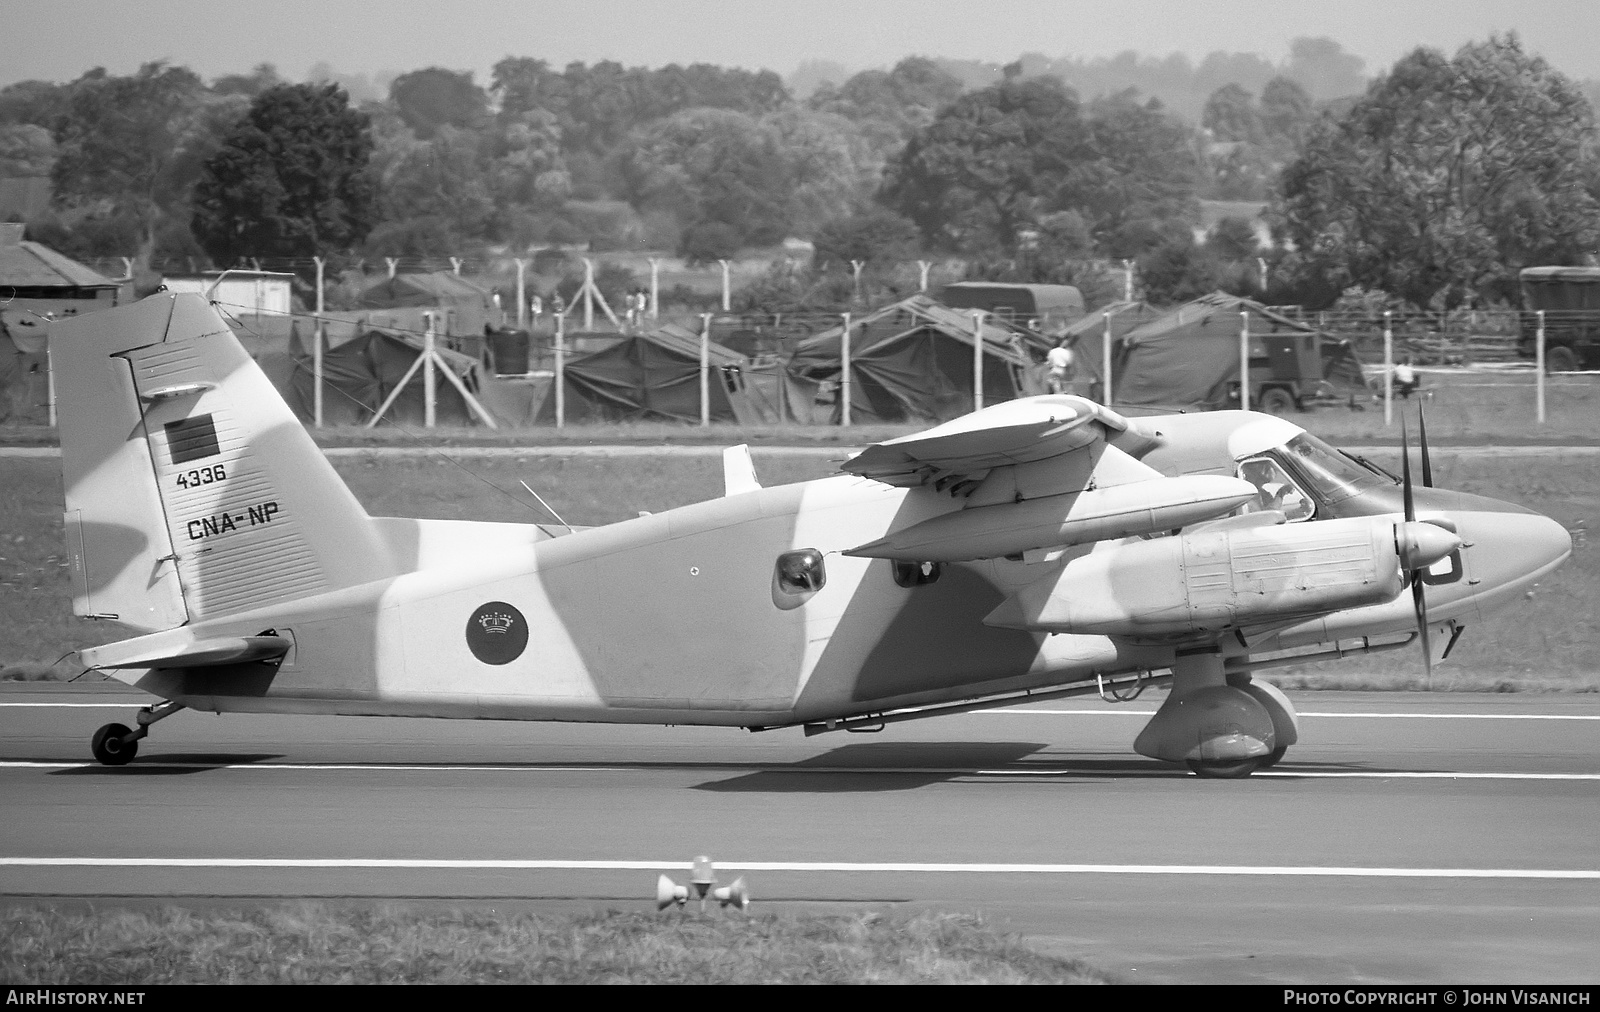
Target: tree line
(1433,185)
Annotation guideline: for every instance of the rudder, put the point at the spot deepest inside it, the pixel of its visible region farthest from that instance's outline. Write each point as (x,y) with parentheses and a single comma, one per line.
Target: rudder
(192,490)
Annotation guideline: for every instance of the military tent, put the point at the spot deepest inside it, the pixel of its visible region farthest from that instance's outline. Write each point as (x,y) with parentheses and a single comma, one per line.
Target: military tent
(1189,358)
(468,308)
(1087,336)
(360,374)
(656,374)
(913,360)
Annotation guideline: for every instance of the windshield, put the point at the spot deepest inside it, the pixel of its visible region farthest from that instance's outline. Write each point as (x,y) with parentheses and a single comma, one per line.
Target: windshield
(1331,474)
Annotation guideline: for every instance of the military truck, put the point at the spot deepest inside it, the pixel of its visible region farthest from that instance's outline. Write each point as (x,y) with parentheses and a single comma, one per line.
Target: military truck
(1570,300)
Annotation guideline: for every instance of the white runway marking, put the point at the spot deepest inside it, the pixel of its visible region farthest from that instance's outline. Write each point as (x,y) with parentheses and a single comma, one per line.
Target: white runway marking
(713,767)
(878,867)
(102,706)
(1024,711)
(1014,710)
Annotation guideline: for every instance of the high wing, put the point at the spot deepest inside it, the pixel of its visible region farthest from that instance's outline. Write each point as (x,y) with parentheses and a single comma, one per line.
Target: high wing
(1036,474)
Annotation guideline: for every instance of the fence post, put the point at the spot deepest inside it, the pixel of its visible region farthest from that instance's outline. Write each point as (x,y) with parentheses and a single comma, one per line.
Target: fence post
(655,289)
(522,293)
(428,381)
(318,334)
(561,369)
(1244,360)
(844,374)
(977,360)
(705,369)
(1388,369)
(1538,365)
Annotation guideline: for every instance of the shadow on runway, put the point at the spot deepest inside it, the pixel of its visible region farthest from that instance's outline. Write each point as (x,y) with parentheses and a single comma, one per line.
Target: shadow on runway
(171,764)
(906,766)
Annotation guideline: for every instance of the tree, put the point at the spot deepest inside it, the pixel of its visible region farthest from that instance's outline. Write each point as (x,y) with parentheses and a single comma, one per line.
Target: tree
(1446,178)
(443,178)
(980,171)
(1286,112)
(890,106)
(1232,239)
(264,76)
(290,179)
(713,166)
(119,138)
(1324,69)
(1139,167)
(432,98)
(25,150)
(876,235)
(1231,115)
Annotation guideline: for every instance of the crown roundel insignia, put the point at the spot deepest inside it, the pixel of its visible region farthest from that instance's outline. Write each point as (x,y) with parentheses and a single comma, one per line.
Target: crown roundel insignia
(497,623)
(497,633)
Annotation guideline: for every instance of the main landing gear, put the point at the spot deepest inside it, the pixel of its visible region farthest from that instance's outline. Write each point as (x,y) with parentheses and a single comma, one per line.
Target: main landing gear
(115,745)
(1221,725)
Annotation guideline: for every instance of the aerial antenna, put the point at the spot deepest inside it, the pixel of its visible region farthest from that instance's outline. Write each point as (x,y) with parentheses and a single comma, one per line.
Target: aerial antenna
(545,505)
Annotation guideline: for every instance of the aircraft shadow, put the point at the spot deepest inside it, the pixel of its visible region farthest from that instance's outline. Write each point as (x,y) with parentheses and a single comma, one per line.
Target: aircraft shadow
(170,764)
(905,766)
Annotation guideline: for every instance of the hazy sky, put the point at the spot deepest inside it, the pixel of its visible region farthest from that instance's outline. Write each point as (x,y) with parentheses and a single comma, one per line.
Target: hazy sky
(59,39)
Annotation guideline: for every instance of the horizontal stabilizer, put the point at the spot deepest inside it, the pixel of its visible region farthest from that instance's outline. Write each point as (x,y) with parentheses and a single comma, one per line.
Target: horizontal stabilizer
(164,650)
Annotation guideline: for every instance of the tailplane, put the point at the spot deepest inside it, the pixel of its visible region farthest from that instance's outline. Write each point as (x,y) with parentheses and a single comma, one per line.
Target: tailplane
(192,491)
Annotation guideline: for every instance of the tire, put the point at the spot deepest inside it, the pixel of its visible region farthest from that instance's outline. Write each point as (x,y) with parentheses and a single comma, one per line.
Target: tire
(1278,401)
(1224,771)
(110,749)
(1273,758)
(1560,359)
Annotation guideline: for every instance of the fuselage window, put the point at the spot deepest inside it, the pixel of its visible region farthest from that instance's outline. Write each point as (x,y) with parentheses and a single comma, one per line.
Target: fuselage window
(1275,490)
(915,574)
(801,572)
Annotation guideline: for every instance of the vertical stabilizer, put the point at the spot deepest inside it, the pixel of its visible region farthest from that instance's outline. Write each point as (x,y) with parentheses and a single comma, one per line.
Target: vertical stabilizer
(192,490)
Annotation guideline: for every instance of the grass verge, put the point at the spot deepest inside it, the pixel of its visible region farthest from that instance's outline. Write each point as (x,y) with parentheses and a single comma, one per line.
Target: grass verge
(312,943)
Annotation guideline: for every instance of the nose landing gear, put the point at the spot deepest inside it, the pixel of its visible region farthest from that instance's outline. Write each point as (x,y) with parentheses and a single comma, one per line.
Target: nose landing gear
(115,745)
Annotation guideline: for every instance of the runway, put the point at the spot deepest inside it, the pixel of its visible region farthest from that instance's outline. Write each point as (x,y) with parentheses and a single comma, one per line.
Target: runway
(1409,837)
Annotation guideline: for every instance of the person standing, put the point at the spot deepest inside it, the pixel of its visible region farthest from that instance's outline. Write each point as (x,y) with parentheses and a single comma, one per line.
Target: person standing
(1060,361)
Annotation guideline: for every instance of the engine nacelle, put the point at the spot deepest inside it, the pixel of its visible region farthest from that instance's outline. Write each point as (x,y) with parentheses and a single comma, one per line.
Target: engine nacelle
(1213,579)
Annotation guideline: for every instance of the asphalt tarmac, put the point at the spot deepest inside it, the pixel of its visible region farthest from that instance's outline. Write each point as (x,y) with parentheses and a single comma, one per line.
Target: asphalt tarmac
(1409,838)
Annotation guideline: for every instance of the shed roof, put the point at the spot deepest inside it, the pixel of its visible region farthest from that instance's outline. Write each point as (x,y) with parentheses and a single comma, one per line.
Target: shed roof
(26,264)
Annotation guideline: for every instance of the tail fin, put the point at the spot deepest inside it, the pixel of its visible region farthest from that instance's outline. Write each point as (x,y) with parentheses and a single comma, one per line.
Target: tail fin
(192,491)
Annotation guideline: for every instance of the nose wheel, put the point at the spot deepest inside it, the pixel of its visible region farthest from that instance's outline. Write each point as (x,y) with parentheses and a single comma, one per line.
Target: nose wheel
(115,745)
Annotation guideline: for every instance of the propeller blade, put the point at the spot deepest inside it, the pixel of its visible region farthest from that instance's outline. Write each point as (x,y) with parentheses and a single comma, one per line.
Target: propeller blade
(1420,604)
(1422,441)
(1405,471)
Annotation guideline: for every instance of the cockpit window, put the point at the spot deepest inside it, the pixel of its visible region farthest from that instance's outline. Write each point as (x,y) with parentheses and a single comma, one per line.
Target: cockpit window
(1332,475)
(1275,490)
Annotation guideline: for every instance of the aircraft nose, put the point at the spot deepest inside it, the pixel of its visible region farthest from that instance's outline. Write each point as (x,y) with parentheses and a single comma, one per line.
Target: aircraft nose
(1511,551)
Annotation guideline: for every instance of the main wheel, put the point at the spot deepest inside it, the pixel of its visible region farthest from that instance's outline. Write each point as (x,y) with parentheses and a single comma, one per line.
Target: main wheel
(110,749)
(1224,771)
(1278,401)
(1560,359)
(1273,758)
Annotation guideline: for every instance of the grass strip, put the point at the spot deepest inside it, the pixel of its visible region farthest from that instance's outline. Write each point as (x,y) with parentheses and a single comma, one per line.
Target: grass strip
(316,943)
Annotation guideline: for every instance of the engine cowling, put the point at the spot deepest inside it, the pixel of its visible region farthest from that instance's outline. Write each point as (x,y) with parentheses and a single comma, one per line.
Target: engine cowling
(1211,579)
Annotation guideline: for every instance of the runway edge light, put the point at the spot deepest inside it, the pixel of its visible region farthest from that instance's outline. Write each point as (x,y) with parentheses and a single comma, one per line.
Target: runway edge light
(737,894)
(669,892)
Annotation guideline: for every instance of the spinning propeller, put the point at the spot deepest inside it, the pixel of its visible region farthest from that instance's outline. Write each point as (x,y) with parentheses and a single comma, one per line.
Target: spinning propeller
(1420,544)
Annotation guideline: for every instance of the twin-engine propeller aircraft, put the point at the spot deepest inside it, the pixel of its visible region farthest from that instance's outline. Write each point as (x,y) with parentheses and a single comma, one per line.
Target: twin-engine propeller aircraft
(1042,547)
